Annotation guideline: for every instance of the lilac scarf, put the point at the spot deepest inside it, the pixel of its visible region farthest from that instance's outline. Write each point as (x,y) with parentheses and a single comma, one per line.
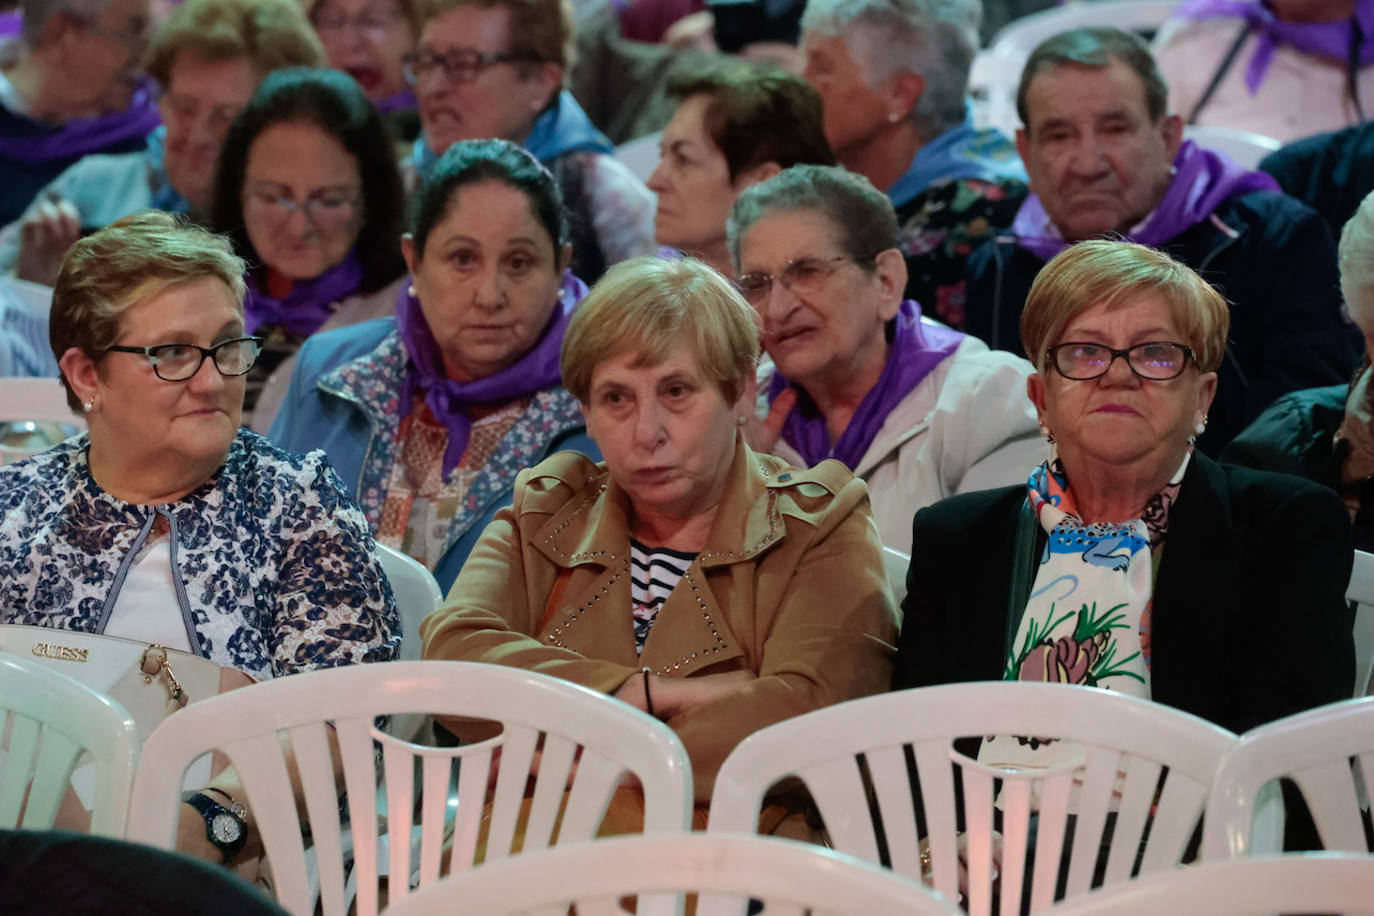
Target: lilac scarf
(1322,39)
(82,136)
(309,303)
(399,101)
(917,348)
(1203,179)
(449,399)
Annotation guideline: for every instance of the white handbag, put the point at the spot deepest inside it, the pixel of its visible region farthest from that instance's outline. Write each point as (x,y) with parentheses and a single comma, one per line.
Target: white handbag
(150,681)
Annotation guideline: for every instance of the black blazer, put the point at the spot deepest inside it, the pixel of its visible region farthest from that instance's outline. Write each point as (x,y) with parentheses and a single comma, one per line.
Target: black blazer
(1249,620)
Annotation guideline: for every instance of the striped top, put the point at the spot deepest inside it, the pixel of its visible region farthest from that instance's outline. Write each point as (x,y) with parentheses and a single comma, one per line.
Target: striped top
(654,573)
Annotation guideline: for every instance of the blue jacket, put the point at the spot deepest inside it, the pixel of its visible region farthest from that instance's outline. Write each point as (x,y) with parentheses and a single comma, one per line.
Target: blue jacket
(344,398)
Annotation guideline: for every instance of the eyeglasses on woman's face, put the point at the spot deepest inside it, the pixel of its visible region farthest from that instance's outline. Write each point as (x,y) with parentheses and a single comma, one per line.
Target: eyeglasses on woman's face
(458,65)
(1156,360)
(803,277)
(179,362)
(327,209)
(372,22)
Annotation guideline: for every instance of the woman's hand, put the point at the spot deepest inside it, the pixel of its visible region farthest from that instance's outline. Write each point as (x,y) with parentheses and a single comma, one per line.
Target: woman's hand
(45,234)
(673,695)
(763,434)
(192,839)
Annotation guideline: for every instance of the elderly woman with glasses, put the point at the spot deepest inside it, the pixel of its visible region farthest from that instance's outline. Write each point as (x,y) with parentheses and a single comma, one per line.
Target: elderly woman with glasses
(1128,560)
(309,192)
(166,522)
(494,69)
(918,411)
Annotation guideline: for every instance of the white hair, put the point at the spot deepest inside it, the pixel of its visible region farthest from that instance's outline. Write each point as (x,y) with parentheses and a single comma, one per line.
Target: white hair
(1356,255)
(933,38)
(36,14)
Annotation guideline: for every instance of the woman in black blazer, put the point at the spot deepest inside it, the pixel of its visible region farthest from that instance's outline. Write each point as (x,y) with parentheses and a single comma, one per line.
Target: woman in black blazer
(1132,562)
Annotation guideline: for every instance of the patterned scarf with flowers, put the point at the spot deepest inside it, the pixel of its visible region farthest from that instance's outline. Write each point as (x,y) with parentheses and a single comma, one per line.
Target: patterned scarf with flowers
(1087,620)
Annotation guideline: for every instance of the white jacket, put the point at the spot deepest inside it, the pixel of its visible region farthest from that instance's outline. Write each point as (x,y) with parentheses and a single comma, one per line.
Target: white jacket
(967,426)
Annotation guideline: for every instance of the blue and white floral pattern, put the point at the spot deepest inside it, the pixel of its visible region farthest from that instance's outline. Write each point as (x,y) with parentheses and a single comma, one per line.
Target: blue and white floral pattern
(276,563)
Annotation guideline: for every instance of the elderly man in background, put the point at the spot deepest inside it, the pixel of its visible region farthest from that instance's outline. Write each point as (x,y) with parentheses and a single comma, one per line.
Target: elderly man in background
(1105,159)
(207,57)
(71,89)
(893,76)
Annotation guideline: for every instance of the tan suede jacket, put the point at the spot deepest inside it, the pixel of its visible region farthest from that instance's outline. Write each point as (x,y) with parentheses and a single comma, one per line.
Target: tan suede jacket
(789,586)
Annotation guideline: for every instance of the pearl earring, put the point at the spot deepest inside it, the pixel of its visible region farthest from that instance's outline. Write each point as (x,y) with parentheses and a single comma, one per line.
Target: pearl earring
(410,290)
(741,420)
(1200,428)
(893,118)
(89,405)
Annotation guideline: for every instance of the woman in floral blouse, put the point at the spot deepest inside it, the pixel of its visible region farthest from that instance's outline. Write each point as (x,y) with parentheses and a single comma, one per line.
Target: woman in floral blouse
(166,522)
(430,415)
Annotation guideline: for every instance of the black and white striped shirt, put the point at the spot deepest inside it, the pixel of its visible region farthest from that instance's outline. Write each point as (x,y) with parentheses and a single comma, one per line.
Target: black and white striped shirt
(654,573)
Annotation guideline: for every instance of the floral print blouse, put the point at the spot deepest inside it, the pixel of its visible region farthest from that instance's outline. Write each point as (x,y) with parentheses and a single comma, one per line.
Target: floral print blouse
(273,565)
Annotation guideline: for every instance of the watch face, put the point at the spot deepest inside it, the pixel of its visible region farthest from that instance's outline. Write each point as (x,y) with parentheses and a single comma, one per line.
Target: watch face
(225,828)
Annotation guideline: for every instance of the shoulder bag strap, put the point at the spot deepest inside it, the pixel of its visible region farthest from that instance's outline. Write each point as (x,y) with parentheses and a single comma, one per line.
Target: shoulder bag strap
(1022,572)
(1217,77)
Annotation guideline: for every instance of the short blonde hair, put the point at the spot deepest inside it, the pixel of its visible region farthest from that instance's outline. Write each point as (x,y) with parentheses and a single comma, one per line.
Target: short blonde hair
(271,34)
(539,29)
(127,262)
(1356,255)
(647,306)
(1118,274)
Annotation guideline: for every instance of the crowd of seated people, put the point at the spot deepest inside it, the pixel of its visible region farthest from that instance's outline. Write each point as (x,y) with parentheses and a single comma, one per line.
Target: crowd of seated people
(669,473)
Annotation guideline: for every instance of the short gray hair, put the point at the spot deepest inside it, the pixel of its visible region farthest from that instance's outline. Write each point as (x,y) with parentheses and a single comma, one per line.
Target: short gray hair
(36,14)
(1356,255)
(861,214)
(934,38)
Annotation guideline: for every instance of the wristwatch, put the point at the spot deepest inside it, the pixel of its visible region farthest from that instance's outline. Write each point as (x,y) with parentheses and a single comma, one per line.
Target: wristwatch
(226,828)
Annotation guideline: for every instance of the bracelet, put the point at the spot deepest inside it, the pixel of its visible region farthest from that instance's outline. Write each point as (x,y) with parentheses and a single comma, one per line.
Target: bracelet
(648,698)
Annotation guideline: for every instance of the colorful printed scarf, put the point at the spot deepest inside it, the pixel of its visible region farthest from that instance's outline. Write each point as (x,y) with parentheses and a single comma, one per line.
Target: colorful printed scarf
(309,303)
(447,398)
(1087,620)
(1203,180)
(917,348)
(1332,40)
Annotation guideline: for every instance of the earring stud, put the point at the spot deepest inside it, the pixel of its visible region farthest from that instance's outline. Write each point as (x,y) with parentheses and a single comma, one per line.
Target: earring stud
(89,405)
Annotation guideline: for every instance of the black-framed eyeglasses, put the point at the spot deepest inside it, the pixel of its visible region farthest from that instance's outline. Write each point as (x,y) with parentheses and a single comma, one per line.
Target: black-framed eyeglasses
(460,65)
(1155,360)
(178,362)
(803,276)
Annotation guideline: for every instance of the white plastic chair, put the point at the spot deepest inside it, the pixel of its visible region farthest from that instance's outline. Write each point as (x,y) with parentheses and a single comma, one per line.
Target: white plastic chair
(851,753)
(640,155)
(1360,592)
(50,720)
(1021,36)
(417,596)
(567,723)
(1246,147)
(1328,752)
(789,877)
(895,563)
(1311,883)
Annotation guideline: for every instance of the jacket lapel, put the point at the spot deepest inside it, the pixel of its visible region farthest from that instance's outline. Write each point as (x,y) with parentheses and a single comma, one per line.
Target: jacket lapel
(1197,581)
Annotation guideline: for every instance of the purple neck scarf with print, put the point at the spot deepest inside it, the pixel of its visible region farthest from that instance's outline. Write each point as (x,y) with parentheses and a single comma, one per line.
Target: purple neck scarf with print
(1332,40)
(917,348)
(448,399)
(309,303)
(82,136)
(1203,179)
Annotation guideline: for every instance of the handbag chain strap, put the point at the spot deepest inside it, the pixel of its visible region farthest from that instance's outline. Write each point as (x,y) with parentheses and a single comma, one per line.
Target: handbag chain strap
(155,664)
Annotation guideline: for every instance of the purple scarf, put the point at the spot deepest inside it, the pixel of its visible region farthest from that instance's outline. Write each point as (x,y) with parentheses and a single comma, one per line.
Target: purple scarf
(309,303)
(1203,179)
(449,399)
(82,136)
(917,348)
(1322,39)
(399,101)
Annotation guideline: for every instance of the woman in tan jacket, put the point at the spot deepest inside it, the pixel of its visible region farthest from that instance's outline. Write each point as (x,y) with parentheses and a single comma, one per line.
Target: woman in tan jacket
(716,588)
